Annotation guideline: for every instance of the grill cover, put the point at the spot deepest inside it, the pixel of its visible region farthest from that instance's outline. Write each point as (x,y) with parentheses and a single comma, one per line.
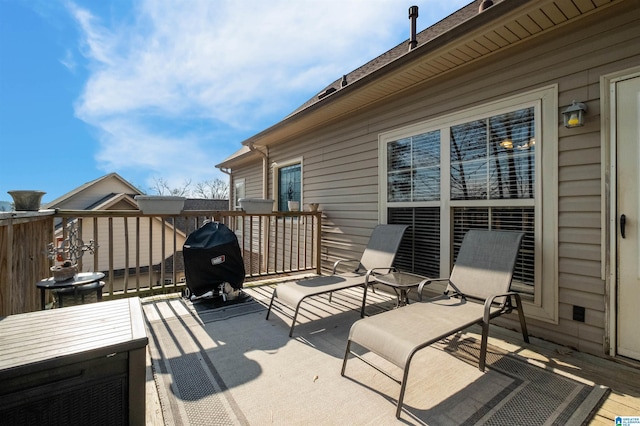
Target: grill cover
(211,257)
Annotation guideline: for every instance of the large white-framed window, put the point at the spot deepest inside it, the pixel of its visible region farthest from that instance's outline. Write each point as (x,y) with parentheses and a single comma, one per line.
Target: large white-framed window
(287,183)
(491,167)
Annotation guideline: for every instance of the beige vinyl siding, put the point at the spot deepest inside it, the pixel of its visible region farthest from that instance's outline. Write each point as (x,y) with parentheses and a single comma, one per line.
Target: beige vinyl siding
(252,174)
(341,160)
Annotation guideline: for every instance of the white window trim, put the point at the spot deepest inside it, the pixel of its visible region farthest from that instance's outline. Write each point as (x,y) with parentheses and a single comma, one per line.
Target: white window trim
(544,305)
(276,166)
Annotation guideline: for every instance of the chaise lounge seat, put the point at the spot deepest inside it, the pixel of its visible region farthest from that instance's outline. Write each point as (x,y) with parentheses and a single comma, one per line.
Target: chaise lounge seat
(378,256)
(477,291)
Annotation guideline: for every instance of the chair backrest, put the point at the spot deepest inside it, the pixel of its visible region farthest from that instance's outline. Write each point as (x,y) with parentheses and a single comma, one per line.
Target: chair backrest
(383,246)
(485,263)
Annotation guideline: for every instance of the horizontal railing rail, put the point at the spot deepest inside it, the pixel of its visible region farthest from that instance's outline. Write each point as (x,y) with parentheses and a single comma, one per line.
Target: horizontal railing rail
(141,254)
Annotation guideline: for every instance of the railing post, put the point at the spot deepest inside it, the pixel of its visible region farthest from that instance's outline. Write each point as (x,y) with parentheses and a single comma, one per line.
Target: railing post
(318,241)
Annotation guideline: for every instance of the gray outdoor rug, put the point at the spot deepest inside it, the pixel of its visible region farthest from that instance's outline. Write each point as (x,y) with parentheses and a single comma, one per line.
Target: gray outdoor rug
(228,365)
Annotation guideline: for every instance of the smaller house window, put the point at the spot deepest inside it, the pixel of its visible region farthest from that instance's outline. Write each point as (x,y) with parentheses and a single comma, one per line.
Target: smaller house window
(238,192)
(289,185)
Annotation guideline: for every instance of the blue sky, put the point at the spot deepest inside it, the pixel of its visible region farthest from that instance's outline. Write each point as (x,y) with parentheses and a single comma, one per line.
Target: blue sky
(166,89)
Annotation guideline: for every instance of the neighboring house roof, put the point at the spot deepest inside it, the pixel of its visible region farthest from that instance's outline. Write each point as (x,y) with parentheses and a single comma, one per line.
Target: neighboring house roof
(114,201)
(205,204)
(90,194)
(459,40)
(188,225)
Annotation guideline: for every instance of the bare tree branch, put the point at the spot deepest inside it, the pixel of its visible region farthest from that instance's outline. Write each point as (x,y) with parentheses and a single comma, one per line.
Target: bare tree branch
(216,189)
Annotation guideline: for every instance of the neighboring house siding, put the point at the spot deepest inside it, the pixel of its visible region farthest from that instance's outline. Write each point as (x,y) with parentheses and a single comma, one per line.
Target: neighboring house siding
(341,160)
(253,179)
(140,246)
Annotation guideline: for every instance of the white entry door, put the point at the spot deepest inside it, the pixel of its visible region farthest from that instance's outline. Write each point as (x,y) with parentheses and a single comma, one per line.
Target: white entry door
(628,216)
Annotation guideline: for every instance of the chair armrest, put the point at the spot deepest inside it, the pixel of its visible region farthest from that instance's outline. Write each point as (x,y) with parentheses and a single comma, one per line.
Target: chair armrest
(489,301)
(425,282)
(335,265)
(371,273)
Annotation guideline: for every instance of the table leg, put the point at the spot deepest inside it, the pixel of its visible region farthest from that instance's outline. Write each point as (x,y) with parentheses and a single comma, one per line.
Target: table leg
(42,304)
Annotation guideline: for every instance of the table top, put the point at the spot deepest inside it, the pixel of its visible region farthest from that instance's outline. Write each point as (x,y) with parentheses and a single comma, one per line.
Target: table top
(41,340)
(400,279)
(80,279)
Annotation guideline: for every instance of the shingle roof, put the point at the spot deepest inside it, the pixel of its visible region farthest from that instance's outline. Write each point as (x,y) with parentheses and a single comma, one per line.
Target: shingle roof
(423,37)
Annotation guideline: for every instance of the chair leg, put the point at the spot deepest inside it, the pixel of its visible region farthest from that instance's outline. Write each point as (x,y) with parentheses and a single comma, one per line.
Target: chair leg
(523,324)
(483,345)
(364,300)
(273,295)
(346,357)
(403,387)
(295,316)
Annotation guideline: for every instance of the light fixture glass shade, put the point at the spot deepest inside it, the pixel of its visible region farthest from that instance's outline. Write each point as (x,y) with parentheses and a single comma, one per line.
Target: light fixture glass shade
(507,144)
(573,116)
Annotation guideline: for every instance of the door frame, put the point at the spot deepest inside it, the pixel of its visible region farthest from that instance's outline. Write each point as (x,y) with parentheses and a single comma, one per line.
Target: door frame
(609,237)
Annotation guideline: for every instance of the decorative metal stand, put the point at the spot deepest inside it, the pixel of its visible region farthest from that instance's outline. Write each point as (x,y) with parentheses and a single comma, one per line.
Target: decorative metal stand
(71,250)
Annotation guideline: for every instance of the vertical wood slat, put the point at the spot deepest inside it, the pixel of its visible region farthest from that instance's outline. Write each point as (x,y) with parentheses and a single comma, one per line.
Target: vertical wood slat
(110,221)
(163,240)
(126,255)
(7,241)
(96,251)
(174,278)
(137,254)
(23,262)
(275,252)
(150,274)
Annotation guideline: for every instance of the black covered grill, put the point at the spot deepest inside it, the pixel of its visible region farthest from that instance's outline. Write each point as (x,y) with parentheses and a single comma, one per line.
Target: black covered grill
(212,258)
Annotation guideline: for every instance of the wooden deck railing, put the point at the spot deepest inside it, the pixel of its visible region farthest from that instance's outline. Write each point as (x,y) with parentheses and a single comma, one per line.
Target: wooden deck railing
(142,254)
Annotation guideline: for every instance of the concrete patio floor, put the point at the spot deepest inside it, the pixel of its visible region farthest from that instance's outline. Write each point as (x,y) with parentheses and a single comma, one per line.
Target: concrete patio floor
(622,378)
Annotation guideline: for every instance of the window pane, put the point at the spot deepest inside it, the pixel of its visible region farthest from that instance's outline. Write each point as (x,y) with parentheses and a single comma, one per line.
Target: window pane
(519,219)
(512,151)
(426,149)
(399,154)
(469,166)
(399,186)
(419,251)
(426,184)
(469,180)
(507,219)
(413,168)
(289,185)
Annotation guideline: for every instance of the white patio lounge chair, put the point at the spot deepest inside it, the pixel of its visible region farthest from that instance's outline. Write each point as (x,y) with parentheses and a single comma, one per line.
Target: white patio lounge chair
(378,256)
(478,290)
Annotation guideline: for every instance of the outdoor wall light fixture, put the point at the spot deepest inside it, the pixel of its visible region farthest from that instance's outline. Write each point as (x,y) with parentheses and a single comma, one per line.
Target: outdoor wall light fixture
(573,116)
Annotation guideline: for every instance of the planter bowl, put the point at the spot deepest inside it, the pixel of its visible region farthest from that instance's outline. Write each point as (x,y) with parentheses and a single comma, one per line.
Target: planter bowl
(28,200)
(63,273)
(160,204)
(256,205)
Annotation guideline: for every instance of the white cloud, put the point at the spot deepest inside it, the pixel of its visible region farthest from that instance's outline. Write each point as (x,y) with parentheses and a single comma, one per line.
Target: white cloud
(235,64)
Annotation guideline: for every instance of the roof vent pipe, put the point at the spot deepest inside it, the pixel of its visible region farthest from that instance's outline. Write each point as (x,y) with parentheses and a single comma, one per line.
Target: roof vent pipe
(413,16)
(486,4)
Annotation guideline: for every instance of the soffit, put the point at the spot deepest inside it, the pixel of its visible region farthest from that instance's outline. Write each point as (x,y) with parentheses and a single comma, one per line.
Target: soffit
(504,25)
